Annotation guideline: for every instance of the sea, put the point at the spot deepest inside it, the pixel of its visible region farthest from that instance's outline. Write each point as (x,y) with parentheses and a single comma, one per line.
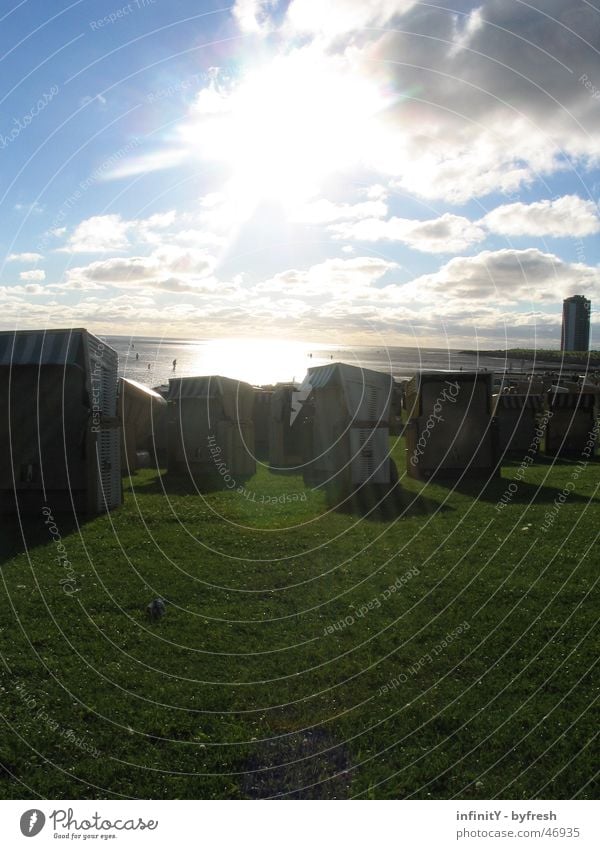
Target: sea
(260,362)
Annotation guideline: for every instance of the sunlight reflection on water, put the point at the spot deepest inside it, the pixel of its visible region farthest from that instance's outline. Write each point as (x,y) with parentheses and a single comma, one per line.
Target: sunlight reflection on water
(266,361)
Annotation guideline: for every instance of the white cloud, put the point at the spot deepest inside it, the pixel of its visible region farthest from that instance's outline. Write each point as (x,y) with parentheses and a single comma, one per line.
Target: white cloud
(329,279)
(466,29)
(561,217)
(376,192)
(152,229)
(448,105)
(202,285)
(36,274)
(168,267)
(194,237)
(252,15)
(184,261)
(116,271)
(505,276)
(458,169)
(393,317)
(336,17)
(24,257)
(446,234)
(103,233)
(99,234)
(75,285)
(566,216)
(153,161)
(496,102)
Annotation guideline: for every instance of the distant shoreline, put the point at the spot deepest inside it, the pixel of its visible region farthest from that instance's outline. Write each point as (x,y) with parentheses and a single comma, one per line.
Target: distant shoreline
(576,358)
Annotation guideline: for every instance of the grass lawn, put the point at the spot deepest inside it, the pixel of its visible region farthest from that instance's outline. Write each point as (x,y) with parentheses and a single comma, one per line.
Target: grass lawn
(433,646)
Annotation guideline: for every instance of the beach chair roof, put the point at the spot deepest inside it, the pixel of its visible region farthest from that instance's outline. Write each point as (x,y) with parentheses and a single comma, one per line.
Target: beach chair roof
(135,388)
(237,397)
(508,401)
(571,400)
(337,373)
(41,347)
(356,385)
(204,386)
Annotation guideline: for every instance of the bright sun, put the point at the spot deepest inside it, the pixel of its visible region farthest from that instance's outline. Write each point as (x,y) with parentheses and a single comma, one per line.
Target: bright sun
(287,125)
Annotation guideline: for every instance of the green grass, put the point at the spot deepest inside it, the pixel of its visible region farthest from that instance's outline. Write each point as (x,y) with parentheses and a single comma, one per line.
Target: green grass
(244,689)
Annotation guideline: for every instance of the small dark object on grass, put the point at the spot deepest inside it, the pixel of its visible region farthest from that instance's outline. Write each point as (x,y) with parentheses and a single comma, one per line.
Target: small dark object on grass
(156,609)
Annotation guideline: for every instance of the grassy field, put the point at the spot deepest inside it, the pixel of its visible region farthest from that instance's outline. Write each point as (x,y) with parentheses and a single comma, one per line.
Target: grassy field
(430,646)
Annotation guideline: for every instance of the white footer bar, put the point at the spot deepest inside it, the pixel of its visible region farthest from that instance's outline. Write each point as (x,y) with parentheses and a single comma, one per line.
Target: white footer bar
(301,824)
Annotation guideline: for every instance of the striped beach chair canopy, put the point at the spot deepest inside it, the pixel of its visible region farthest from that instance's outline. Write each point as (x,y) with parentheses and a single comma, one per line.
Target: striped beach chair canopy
(41,347)
(508,401)
(571,400)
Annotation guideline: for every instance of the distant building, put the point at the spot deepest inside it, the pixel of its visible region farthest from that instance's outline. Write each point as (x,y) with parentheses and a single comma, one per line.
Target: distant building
(575,334)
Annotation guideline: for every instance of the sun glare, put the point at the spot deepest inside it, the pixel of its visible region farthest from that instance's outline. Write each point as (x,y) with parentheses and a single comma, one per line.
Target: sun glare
(257,361)
(287,126)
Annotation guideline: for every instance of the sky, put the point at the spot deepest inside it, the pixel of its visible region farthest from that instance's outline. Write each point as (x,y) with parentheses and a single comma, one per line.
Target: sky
(386,172)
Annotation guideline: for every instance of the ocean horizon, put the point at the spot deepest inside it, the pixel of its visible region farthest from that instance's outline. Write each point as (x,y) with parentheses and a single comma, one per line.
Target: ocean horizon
(152,360)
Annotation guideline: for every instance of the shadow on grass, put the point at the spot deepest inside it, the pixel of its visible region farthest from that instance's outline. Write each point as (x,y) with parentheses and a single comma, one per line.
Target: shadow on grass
(382,504)
(509,462)
(498,488)
(28,532)
(167,483)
